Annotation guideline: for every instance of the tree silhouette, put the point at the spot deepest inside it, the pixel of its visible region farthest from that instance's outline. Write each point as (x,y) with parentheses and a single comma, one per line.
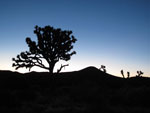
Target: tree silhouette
(128,74)
(52,45)
(139,73)
(122,73)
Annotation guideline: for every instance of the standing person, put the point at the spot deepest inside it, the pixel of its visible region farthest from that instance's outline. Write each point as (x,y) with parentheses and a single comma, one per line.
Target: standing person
(122,73)
(128,74)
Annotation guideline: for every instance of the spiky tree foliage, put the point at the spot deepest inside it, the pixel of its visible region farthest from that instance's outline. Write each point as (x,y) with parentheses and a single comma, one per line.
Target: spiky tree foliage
(52,45)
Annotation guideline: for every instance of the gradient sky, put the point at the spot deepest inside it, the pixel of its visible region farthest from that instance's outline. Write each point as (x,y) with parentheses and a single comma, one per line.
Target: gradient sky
(114,33)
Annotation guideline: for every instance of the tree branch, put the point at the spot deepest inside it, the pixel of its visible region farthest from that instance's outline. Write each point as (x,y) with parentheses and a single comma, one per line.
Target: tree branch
(62,66)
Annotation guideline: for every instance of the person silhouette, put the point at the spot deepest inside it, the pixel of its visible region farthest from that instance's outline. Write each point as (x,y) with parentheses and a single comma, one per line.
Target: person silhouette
(128,74)
(122,73)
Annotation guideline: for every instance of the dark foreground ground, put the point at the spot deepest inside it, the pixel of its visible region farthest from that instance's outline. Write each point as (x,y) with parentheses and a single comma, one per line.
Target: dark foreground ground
(85,91)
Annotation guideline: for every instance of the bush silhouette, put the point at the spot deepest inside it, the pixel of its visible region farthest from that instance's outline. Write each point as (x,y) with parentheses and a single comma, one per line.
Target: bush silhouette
(52,45)
(103,68)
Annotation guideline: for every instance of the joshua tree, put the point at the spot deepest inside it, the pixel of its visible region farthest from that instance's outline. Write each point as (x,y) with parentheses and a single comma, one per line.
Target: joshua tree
(122,73)
(52,45)
(128,74)
(139,73)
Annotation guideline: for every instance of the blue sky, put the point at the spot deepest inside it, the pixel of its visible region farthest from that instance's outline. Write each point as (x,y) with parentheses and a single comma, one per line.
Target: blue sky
(115,33)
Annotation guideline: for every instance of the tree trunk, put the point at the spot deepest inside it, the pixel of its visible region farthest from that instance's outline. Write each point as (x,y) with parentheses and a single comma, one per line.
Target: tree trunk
(51,67)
